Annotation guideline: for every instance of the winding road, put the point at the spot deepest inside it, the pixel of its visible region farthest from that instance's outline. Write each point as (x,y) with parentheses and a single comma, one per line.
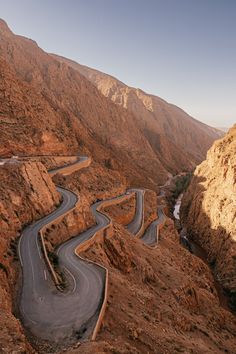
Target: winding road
(51,314)
(80,162)
(151,235)
(137,223)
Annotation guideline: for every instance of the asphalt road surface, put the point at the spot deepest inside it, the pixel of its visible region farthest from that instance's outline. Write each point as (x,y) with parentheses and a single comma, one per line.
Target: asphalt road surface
(151,235)
(77,162)
(138,220)
(54,315)
(46,312)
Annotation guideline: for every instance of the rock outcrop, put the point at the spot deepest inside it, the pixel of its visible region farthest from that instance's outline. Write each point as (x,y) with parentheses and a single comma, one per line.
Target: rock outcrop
(209,209)
(26,194)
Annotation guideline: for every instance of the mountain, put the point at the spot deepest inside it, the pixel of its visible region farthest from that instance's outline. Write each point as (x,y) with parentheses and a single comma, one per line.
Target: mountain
(209,209)
(169,130)
(50,107)
(223,129)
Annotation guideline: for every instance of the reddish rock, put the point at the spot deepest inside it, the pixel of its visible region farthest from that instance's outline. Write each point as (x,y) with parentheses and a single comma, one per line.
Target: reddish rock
(209,209)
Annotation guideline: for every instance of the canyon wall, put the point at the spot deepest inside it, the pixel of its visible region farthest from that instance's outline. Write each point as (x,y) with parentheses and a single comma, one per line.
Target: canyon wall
(26,194)
(209,209)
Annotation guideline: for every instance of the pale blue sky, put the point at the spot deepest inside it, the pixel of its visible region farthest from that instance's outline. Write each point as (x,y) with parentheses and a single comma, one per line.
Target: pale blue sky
(181,50)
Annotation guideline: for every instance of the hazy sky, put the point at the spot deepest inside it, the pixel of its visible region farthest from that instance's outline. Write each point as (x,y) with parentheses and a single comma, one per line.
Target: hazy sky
(181,50)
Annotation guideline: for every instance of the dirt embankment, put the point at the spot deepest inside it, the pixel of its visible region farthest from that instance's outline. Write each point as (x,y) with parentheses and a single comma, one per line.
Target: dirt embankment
(51,162)
(26,194)
(208,208)
(150,207)
(123,213)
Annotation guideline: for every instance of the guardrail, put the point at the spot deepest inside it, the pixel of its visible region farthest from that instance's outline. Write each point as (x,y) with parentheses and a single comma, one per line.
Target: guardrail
(43,231)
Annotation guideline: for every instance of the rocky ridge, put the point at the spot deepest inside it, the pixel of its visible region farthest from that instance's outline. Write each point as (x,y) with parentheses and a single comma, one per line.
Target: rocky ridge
(174,136)
(208,209)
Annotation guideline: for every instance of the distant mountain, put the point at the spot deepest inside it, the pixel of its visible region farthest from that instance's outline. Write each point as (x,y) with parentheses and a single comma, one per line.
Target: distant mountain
(225,130)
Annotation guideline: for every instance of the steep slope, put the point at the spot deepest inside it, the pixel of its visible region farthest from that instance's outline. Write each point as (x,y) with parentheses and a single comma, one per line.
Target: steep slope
(26,193)
(66,113)
(209,209)
(75,106)
(28,122)
(170,131)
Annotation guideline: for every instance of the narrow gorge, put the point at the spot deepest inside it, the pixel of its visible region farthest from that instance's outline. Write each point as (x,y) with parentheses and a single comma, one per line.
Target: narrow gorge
(209,210)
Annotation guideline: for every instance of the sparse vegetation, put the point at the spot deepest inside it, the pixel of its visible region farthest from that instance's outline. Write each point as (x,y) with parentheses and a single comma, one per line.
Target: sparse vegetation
(181,184)
(53,258)
(232,298)
(3,267)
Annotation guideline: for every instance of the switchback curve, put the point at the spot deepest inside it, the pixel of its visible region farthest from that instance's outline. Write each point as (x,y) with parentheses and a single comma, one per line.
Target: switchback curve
(46,312)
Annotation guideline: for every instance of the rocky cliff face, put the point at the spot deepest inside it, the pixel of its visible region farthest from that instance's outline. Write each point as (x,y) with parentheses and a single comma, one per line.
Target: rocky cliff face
(26,194)
(209,209)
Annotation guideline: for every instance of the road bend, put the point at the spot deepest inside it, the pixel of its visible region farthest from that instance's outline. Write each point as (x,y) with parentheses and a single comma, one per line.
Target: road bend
(46,312)
(151,235)
(51,314)
(136,224)
(78,164)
